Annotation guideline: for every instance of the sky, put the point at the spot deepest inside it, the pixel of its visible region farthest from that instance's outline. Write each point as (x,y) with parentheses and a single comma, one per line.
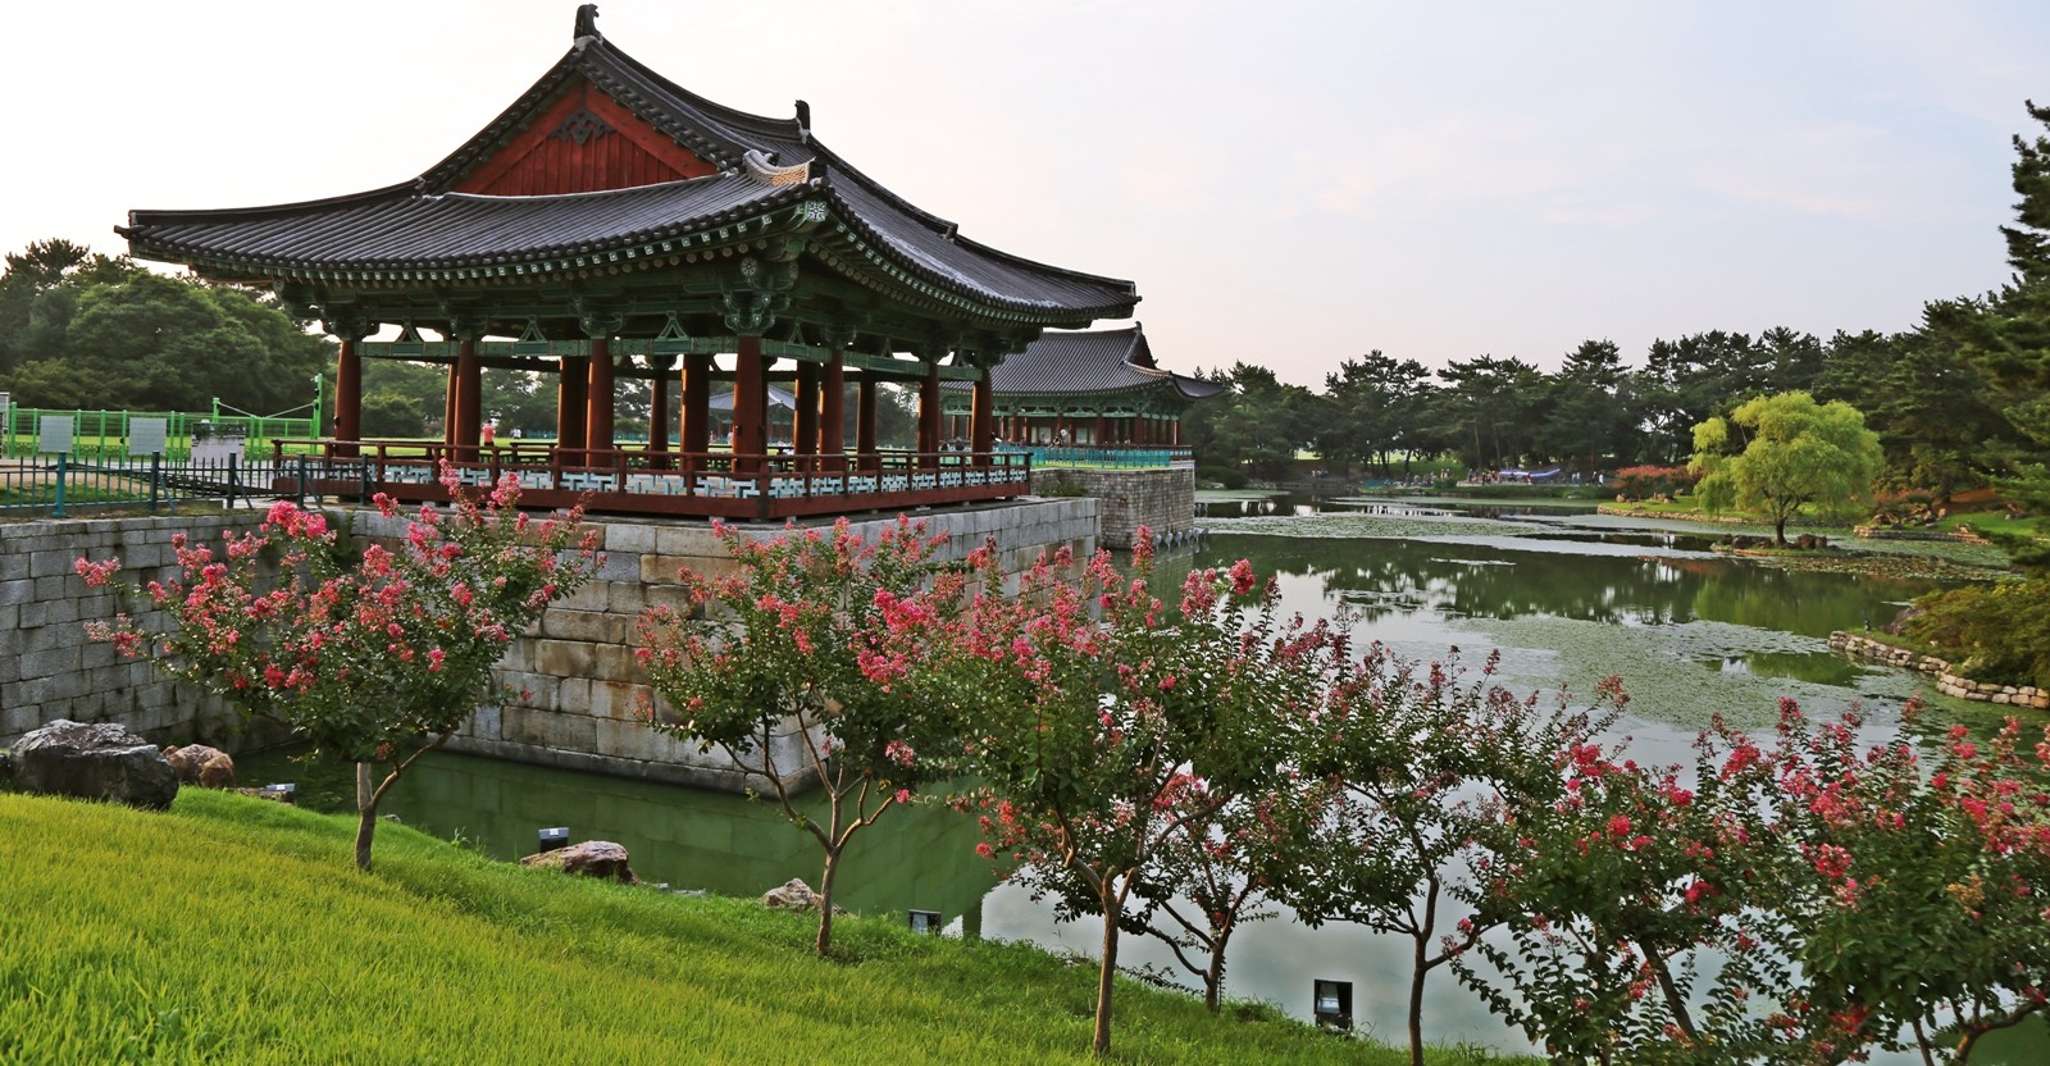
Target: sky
(1290,183)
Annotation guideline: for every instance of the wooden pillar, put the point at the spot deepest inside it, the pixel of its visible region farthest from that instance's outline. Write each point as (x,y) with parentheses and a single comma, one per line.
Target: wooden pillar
(658,419)
(865,426)
(982,415)
(806,427)
(1102,435)
(572,391)
(598,403)
(929,415)
(696,434)
(750,405)
(348,395)
(833,412)
(1174,432)
(469,397)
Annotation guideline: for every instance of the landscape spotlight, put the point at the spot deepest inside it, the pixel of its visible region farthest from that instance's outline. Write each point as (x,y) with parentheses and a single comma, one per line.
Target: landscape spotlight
(1331,1002)
(927,922)
(283,791)
(552,837)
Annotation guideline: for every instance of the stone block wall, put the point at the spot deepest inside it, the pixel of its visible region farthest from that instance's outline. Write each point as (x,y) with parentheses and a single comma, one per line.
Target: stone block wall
(1161,500)
(571,687)
(48,670)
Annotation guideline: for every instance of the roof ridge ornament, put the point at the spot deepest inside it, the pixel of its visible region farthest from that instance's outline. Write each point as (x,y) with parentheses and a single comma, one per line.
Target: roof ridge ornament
(587,25)
(803,122)
(760,169)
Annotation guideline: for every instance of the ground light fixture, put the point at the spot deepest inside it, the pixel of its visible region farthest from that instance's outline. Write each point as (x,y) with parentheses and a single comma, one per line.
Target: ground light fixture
(1331,1002)
(283,792)
(551,837)
(926,922)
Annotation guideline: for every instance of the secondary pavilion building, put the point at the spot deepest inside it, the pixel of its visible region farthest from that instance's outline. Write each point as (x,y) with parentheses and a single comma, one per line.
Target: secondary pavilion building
(1096,389)
(610,224)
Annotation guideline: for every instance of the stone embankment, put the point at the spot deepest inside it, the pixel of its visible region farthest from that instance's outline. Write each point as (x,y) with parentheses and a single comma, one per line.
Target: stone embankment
(49,671)
(1948,680)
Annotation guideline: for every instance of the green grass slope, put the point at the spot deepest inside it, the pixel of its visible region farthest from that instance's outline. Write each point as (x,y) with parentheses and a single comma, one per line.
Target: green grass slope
(234,930)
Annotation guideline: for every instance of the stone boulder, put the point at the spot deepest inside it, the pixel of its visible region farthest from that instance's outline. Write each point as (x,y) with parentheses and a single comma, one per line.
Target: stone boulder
(94,761)
(792,895)
(592,858)
(200,765)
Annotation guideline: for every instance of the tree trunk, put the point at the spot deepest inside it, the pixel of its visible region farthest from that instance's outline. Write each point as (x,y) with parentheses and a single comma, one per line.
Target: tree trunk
(366,827)
(824,944)
(1417,972)
(1111,908)
(1674,1001)
(1213,979)
(1779,531)
(366,816)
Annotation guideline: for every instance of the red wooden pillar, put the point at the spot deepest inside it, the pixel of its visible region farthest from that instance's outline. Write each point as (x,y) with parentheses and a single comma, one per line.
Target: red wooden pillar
(750,405)
(1102,435)
(982,416)
(658,420)
(865,454)
(469,398)
(1174,432)
(807,416)
(696,432)
(572,391)
(833,413)
(929,415)
(348,396)
(598,403)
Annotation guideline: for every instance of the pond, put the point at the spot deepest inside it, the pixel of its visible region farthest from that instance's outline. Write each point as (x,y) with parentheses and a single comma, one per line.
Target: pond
(1567,597)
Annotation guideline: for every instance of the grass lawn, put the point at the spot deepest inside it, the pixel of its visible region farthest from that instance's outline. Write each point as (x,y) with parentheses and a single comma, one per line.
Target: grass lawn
(2037,526)
(233,929)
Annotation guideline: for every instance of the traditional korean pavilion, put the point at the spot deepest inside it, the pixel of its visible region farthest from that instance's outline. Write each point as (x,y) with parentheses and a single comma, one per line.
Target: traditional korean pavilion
(1093,389)
(611,223)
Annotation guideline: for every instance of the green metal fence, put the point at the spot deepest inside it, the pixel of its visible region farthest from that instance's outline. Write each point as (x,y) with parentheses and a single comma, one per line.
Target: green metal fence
(60,486)
(103,435)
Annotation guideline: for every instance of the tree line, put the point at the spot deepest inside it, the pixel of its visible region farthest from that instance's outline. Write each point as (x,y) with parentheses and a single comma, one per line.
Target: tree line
(1960,400)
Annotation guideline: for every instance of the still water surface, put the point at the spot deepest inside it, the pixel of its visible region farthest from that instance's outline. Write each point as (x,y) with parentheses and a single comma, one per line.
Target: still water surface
(1567,600)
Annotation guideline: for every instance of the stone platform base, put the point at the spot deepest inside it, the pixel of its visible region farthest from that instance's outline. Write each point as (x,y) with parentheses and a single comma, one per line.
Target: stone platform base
(1163,500)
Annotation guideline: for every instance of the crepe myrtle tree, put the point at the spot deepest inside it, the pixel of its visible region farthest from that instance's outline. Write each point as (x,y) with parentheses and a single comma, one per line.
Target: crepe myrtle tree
(375,658)
(1104,723)
(810,633)
(1419,771)
(1621,884)
(1850,896)
(1909,880)
(1216,871)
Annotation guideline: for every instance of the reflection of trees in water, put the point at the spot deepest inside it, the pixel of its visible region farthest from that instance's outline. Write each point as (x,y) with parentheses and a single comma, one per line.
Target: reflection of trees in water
(1383,578)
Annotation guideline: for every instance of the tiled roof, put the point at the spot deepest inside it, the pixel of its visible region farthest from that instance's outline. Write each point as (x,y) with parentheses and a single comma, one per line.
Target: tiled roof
(1114,360)
(400,228)
(421,223)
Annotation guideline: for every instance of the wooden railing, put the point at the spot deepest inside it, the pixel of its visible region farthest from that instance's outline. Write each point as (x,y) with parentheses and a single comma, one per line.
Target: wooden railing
(770,485)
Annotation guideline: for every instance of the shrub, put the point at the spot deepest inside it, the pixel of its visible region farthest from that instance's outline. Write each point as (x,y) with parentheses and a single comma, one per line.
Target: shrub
(1229,477)
(1645,482)
(1998,632)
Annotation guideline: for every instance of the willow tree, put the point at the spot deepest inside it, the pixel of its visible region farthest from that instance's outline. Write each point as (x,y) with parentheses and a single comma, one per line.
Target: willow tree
(1775,455)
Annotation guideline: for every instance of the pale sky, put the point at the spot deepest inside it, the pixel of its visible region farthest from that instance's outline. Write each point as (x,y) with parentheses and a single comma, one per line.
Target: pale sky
(1290,183)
